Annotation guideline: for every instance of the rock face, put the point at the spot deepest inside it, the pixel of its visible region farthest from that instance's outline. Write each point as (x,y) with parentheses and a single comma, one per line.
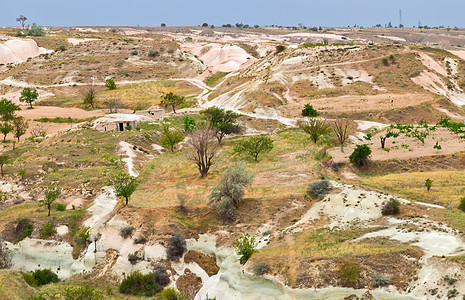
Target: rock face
(19,50)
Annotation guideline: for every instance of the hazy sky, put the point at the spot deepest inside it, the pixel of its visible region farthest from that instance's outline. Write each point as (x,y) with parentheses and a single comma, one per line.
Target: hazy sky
(217,12)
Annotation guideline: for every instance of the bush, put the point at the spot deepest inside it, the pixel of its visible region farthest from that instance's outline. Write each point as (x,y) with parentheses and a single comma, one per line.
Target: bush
(48,229)
(261,268)
(230,190)
(23,228)
(391,207)
(170,50)
(161,277)
(134,52)
(44,276)
(380,280)
(28,230)
(360,155)
(280,48)
(462,204)
(60,207)
(61,48)
(133,258)
(170,293)
(30,280)
(309,111)
(126,231)
(82,293)
(245,246)
(349,272)
(35,30)
(140,240)
(177,247)
(110,84)
(319,188)
(153,53)
(138,284)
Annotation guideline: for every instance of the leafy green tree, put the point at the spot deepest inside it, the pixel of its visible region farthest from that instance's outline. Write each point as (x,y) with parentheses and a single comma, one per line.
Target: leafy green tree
(245,246)
(51,194)
(360,155)
(29,96)
(3,160)
(110,84)
(188,123)
(172,100)
(230,190)
(254,145)
(428,184)
(170,137)
(314,128)
(5,128)
(124,185)
(8,109)
(222,121)
(20,126)
(309,111)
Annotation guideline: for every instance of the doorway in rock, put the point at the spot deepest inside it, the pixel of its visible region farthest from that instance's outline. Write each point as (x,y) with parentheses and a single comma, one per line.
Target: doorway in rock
(121,126)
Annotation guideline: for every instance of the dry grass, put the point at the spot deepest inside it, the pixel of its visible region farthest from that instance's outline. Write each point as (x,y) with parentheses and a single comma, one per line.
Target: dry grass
(447,188)
(284,171)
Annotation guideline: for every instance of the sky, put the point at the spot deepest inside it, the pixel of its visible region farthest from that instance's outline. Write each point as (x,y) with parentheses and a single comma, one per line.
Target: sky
(217,12)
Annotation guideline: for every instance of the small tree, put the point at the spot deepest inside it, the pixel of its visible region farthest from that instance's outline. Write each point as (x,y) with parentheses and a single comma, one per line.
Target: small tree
(22,20)
(20,126)
(428,184)
(5,128)
(341,129)
(171,137)
(3,160)
(51,194)
(90,97)
(388,134)
(230,190)
(204,150)
(314,128)
(222,121)
(8,109)
(29,96)
(360,155)
(245,246)
(188,124)
(110,84)
(124,185)
(254,145)
(35,30)
(172,100)
(309,111)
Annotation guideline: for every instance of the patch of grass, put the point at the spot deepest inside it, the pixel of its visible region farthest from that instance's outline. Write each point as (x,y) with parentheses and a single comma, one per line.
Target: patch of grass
(62,120)
(448,186)
(215,78)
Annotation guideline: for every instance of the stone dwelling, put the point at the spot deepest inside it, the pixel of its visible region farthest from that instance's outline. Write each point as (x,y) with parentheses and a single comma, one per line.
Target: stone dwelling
(120,122)
(154,112)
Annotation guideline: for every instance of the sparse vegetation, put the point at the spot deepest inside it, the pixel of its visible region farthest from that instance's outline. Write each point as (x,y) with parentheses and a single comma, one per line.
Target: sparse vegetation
(177,247)
(245,246)
(261,268)
(204,150)
(170,137)
(314,127)
(48,229)
(391,207)
(309,111)
(349,271)
(319,188)
(44,276)
(360,155)
(172,100)
(138,284)
(222,121)
(124,185)
(126,231)
(110,84)
(254,145)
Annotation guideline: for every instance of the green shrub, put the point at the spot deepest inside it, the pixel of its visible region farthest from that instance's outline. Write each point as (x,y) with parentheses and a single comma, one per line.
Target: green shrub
(61,48)
(462,204)
(23,229)
(309,111)
(349,271)
(30,279)
(280,48)
(360,155)
(153,53)
(261,268)
(380,280)
(126,231)
(60,207)
(28,230)
(35,30)
(45,276)
(134,52)
(48,229)
(319,188)
(177,247)
(391,207)
(245,246)
(170,50)
(170,293)
(138,284)
(140,240)
(133,258)
(110,84)
(82,293)
(161,277)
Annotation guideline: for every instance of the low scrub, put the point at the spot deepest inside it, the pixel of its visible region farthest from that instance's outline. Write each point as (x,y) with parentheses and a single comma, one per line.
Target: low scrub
(82,293)
(170,293)
(177,247)
(319,189)
(261,268)
(139,284)
(462,204)
(48,229)
(126,231)
(350,272)
(391,207)
(245,246)
(41,277)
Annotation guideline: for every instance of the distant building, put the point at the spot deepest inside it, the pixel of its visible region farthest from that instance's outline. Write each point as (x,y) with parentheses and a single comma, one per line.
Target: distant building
(120,122)
(154,112)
